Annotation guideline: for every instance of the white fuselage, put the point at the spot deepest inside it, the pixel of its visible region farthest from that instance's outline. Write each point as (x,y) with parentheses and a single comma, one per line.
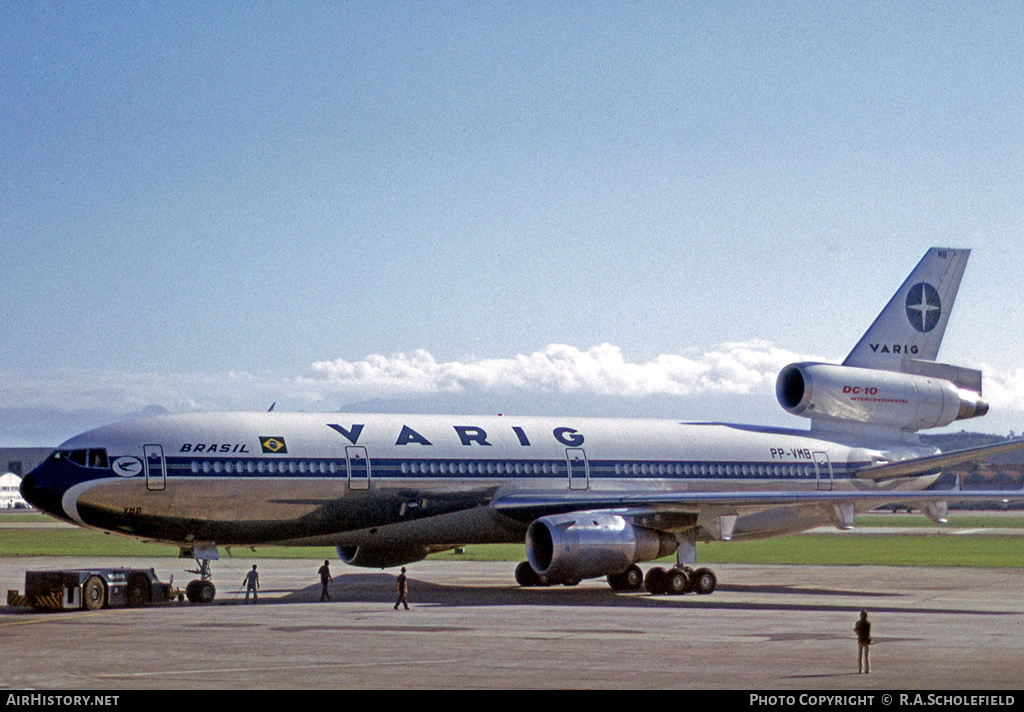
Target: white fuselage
(338,479)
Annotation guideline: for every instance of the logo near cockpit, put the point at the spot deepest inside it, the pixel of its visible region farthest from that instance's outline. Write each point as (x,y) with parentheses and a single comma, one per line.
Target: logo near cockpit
(127,466)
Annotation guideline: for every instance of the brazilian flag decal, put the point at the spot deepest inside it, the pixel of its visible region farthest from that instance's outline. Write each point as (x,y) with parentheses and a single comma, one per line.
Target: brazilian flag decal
(274,446)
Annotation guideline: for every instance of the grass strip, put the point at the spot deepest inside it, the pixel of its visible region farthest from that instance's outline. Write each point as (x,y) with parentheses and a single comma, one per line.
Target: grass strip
(904,549)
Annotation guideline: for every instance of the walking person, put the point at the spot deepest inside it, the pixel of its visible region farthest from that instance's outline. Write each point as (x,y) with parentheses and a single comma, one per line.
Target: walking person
(252,584)
(863,630)
(325,578)
(402,586)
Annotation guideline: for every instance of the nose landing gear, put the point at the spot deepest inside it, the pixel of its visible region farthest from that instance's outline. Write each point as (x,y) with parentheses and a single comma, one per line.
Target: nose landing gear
(201,590)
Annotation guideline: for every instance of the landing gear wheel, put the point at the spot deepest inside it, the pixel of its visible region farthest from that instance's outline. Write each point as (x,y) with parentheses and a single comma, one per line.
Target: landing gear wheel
(207,592)
(616,582)
(139,591)
(676,582)
(654,581)
(526,576)
(633,578)
(200,591)
(704,581)
(94,593)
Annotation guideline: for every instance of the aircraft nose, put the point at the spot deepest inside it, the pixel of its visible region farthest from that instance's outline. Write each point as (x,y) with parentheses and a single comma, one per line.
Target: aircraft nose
(45,499)
(28,489)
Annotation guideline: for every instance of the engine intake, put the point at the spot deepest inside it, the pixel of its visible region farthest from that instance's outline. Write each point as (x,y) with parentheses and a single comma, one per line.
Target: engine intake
(885,398)
(568,548)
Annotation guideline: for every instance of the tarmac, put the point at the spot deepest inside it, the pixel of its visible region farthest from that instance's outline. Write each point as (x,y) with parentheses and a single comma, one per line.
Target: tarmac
(766,628)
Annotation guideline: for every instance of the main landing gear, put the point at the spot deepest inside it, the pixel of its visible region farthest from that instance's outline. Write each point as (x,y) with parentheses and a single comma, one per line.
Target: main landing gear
(679,580)
(675,581)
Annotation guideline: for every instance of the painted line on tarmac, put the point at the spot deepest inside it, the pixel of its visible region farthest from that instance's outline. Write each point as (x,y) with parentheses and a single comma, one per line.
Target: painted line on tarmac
(55,617)
(317,666)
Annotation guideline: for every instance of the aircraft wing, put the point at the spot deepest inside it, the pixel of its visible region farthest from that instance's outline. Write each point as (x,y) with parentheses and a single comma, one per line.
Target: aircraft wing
(528,506)
(931,463)
(648,508)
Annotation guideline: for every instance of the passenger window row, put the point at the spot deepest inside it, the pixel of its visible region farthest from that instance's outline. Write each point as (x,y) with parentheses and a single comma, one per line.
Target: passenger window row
(433,467)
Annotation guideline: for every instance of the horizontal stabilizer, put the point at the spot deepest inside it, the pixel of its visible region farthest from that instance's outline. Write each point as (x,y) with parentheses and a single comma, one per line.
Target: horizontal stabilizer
(966,378)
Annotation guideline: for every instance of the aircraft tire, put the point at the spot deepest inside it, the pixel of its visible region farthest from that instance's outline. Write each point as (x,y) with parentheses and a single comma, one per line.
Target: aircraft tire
(654,581)
(199,591)
(94,594)
(617,582)
(207,591)
(632,579)
(526,576)
(704,581)
(139,591)
(676,582)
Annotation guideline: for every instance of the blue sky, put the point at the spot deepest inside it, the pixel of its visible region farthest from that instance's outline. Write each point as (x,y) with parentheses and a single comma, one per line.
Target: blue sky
(624,208)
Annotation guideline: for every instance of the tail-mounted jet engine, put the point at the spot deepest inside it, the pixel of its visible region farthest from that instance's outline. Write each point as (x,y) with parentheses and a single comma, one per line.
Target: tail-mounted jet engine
(567,548)
(884,398)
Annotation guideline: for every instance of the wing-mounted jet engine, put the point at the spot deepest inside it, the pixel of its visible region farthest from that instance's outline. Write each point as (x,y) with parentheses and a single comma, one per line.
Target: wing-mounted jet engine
(567,548)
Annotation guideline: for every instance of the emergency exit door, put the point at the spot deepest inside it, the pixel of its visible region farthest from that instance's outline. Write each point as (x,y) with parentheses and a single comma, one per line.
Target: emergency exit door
(156,467)
(823,470)
(358,464)
(579,468)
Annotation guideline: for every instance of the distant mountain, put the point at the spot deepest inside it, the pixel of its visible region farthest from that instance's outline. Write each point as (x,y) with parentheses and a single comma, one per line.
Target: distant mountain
(964,440)
(48,427)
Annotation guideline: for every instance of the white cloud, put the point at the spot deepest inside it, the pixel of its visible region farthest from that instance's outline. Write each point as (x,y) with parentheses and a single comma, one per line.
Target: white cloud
(601,370)
(1004,391)
(734,381)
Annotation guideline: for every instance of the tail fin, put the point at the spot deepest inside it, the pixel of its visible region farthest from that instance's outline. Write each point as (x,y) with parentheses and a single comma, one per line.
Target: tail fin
(910,328)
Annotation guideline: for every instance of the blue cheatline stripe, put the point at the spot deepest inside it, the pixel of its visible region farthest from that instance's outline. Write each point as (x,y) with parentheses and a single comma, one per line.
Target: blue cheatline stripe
(424,468)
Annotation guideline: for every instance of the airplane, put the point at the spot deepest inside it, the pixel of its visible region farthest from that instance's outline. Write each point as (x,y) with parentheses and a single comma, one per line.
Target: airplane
(589,497)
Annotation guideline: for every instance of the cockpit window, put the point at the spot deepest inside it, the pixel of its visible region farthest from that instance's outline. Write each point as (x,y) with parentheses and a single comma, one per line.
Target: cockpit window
(96,457)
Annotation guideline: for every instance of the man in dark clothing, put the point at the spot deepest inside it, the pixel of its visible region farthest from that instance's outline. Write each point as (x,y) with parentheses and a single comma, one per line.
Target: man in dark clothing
(863,630)
(251,583)
(325,578)
(402,586)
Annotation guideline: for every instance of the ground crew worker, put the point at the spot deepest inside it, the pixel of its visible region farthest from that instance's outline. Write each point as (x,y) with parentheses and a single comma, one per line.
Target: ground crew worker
(325,578)
(402,586)
(251,583)
(863,630)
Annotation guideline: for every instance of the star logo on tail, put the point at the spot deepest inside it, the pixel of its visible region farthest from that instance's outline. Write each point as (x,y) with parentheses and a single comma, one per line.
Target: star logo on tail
(923,307)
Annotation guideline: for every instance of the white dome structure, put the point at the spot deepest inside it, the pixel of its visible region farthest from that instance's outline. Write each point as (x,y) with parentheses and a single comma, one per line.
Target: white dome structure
(10,492)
